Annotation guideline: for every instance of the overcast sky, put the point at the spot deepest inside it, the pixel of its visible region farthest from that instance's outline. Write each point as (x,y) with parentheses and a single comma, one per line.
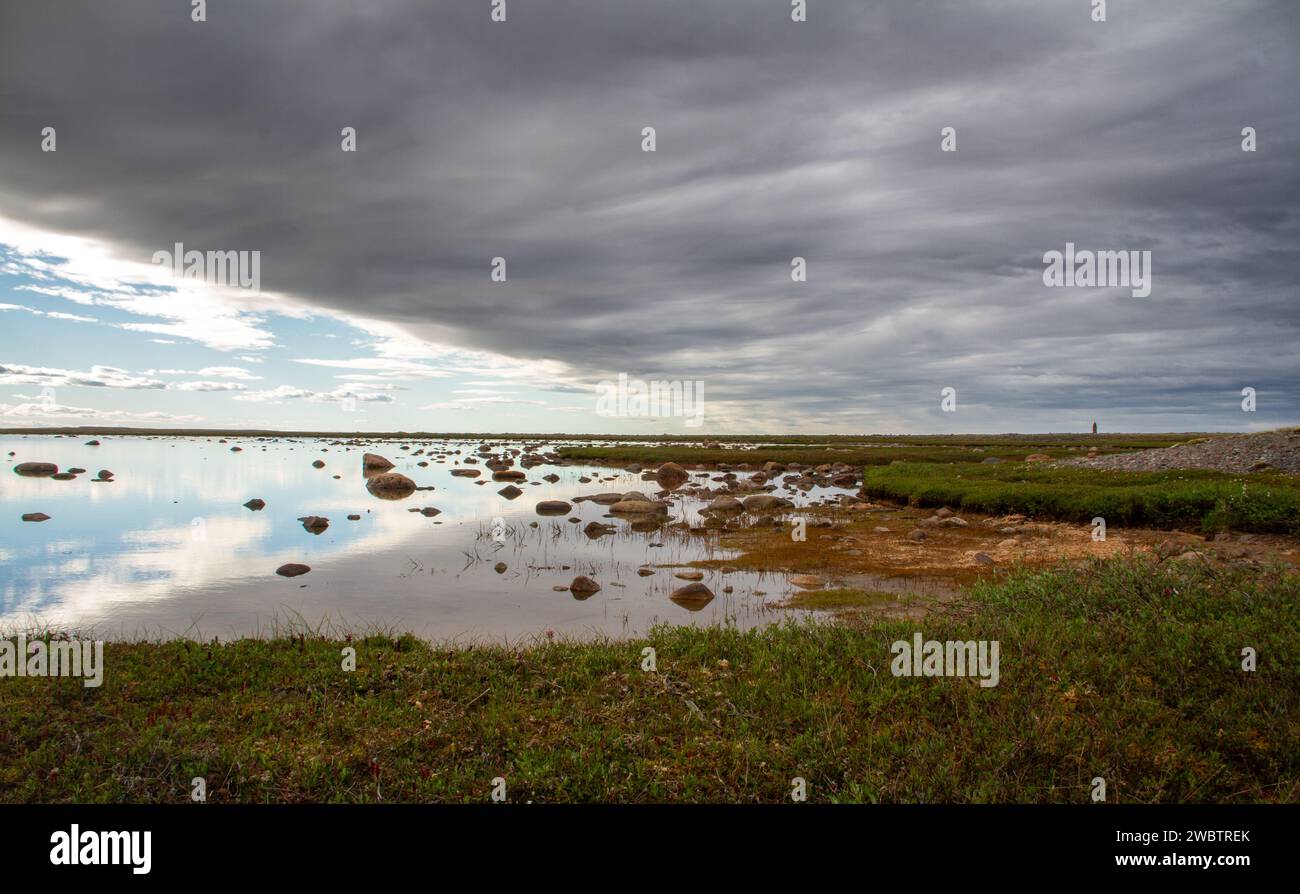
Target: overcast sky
(774,139)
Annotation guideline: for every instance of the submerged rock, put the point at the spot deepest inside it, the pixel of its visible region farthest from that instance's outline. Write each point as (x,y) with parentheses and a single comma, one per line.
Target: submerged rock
(766,502)
(638,507)
(553,507)
(315,523)
(692,597)
(670,474)
(390,486)
(376,463)
(292,569)
(35,517)
(597,529)
(583,587)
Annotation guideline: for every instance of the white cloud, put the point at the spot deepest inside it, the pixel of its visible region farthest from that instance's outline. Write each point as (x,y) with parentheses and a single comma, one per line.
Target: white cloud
(88,272)
(61,411)
(289,392)
(209,386)
(472,403)
(52,314)
(97,377)
(373,385)
(228,372)
(220,372)
(386,367)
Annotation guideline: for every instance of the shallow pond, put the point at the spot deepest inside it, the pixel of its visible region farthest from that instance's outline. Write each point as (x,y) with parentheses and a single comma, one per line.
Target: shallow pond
(167,547)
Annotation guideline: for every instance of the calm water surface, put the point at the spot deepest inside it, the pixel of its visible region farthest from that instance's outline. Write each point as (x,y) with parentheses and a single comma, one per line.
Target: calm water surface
(168,548)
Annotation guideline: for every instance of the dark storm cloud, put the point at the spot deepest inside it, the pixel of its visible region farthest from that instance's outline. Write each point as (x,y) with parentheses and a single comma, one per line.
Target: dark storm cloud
(774,139)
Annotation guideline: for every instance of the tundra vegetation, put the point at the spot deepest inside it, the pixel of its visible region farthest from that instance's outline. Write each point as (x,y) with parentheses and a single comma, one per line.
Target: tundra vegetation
(1199,499)
(1127,670)
(1173,674)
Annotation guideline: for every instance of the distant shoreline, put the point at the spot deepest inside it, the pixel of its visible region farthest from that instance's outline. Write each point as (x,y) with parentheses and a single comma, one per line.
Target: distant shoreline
(742,438)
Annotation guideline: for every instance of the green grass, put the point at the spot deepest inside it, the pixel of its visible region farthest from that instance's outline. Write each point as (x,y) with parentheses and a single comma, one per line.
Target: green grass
(869,450)
(1210,501)
(653,455)
(835,598)
(1131,672)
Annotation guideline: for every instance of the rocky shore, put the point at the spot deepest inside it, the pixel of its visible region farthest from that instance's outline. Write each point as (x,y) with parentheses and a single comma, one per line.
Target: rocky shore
(1277,451)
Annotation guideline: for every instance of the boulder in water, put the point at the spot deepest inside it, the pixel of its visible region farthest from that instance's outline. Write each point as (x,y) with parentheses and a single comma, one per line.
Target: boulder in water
(692,597)
(766,502)
(637,507)
(375,463)
(670,474)
(583,587)
(390,486)
(315,523)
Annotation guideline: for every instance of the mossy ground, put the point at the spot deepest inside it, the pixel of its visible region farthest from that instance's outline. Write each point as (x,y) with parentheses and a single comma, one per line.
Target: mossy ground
(1127,670)
(1191,499)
